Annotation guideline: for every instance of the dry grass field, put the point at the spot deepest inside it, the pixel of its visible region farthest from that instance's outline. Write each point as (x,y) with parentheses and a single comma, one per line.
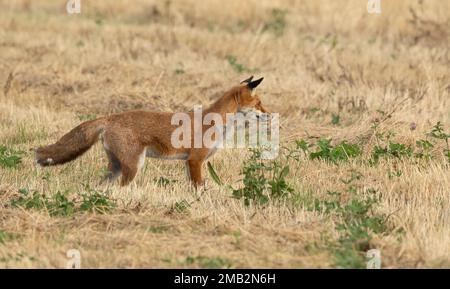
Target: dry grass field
(376,85)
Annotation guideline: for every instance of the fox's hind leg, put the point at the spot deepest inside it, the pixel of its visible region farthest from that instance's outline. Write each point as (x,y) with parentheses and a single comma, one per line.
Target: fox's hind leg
(114,168)
(194,171)
(130,162)
(125,154)
(130,167)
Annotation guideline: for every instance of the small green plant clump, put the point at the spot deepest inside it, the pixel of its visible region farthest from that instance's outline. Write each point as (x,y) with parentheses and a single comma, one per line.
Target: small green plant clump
(60,204)
(263,181)
(179,71)
(56,205)
(324,150)
(208,262)
(358,224)
(341,152)
(163,182)
(96,202)
(335,119)
(182,207)
(10,158)
(424,149)
(356,221)
(438,133)
(6,236)
(387,148)
(391,150)
(238,67)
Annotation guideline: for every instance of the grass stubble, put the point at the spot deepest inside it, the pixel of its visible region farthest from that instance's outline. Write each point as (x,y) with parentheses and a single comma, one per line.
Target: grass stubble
(359,97)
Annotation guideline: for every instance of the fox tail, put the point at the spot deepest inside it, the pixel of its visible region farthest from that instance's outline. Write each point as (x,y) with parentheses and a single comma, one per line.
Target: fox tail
(72,145)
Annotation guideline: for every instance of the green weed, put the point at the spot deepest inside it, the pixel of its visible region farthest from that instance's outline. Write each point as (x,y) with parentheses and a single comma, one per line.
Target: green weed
(335,119)
(341,152)
(208,263)
(356,223)
(96,202)
(60,204)
(5,237)
(438,133)
(424,147)
(181,207)
(238,67)
(262,180)
(179,71)
(163,182)
(10,158)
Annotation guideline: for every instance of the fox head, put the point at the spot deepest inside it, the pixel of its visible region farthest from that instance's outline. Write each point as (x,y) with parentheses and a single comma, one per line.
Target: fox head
(247,99)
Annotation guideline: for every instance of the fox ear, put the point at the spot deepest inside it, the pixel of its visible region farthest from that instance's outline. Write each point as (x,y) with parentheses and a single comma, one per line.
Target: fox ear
(255,83)
(247,80)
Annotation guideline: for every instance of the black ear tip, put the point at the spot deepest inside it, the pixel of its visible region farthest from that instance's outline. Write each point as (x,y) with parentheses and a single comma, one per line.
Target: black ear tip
(255,83)
(247,80)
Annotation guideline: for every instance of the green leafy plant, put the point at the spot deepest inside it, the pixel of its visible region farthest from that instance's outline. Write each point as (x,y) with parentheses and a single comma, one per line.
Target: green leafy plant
(10,158)
(395,173)
(164,182)
(341,152)
(179,71)
(208,262)
(386,148)
(262,180)
(59,204)
(438,133)
(56,205)
(335,119)
(29,200)
(94,201)
(300,148)
(181,207)
(424,147)
(5,236)
(392,150)
(356,223)
(238,67)
(356,229)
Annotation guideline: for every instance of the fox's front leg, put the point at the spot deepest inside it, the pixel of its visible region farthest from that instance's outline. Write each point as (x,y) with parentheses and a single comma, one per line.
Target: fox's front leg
(194,172)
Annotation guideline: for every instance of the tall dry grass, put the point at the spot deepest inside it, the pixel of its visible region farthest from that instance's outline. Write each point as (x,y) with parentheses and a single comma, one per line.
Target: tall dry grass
(318,58)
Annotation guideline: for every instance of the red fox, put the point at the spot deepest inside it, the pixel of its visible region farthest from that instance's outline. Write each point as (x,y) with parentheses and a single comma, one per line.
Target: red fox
(130,136)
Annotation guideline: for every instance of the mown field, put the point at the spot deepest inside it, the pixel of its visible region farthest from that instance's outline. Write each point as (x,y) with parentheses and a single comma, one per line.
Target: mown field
(364,104)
